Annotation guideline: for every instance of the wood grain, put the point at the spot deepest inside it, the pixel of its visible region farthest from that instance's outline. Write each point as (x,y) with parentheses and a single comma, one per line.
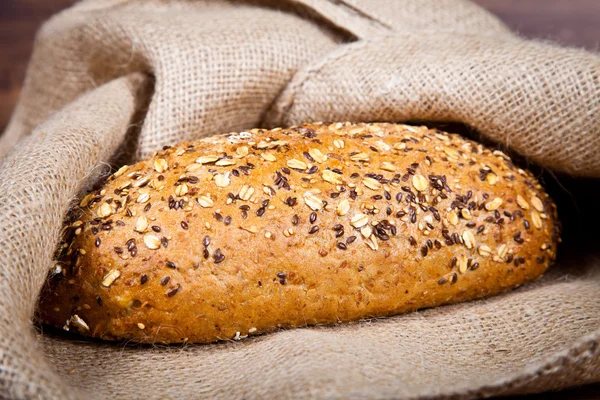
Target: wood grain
(567,22)
(19,20)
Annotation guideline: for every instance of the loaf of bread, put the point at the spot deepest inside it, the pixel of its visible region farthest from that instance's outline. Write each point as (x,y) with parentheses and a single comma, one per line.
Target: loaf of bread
(243,233)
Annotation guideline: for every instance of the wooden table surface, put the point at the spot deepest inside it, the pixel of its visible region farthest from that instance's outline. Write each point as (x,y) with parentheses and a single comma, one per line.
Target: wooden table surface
(568,22)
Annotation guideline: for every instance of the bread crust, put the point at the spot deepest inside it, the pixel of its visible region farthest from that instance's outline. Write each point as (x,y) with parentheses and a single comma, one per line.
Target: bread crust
(242,233)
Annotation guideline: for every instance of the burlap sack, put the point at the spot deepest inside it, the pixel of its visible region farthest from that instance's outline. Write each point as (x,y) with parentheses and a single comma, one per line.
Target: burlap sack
(111,81)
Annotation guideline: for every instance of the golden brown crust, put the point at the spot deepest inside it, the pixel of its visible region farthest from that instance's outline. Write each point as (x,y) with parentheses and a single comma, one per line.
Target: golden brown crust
(239,234)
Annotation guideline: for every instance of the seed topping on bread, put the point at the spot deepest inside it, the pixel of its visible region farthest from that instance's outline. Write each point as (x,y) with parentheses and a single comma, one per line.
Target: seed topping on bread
(347,185)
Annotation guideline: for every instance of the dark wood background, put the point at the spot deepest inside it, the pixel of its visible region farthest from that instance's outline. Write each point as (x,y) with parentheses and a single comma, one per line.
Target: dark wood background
(568,22)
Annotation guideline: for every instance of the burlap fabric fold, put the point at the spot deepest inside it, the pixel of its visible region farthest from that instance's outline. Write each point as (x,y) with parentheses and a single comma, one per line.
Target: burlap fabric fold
(111,81)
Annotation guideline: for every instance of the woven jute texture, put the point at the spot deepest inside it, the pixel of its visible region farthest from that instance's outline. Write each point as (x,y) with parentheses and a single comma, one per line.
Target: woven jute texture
(111,81)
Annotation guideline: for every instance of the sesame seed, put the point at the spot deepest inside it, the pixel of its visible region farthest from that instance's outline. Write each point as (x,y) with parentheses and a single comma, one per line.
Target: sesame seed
(452,153)
(193,167)
(372,243)
(313,229)
(468,239)
(268,157)
(317,155)
(104,210)
(120,172)
(141,182)
(361,157)
(205,201)
(359,220)
(484,250)
(242,151)
(225,162)
(143,279)
(164,281)
(296,164)
(313,201)
(152,242)
(366,231)
(522,202)
(143,197)
(536,219)
(339,143)
(371,183)
(331,177)
(207,159)
(251,229)
(465,213)
(420,182)
(222,180)
(141,224)
(109,278)
(387,166)
(79,323)
(160,165)
(341,246)
(462,264)
(502,250)
(246,192)
(288,232)
(343,207)
(537,203)
(452,217)
(491,178)
(494,204)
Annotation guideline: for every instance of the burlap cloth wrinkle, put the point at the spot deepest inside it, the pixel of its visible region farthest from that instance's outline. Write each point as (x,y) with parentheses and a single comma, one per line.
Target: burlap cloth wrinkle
(112,81)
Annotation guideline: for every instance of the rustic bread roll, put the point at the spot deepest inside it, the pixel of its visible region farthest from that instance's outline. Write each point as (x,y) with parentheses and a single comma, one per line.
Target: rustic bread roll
(245,232)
